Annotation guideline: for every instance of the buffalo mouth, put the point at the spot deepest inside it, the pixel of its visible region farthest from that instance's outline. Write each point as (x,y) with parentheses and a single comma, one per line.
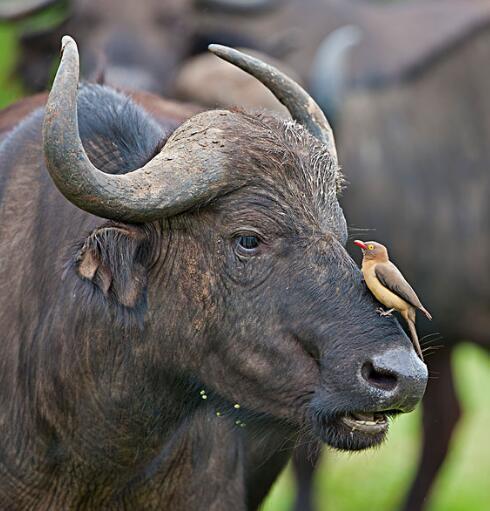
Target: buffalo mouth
(354,431)
(369,423)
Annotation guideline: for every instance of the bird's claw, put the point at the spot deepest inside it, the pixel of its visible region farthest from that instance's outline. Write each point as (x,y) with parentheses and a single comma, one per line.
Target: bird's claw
(384,313)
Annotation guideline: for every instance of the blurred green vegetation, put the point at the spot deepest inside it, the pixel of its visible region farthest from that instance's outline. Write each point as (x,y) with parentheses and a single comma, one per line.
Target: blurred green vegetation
(375,479)
(378,479)
(10,87)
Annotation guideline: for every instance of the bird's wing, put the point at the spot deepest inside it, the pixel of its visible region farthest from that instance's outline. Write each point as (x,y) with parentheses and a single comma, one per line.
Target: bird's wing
(390,276)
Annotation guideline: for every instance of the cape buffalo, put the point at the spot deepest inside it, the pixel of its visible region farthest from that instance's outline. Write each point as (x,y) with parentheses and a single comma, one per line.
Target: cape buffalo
(170,356)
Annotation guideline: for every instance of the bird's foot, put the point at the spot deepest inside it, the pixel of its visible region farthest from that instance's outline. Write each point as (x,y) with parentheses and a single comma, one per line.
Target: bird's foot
(384,313)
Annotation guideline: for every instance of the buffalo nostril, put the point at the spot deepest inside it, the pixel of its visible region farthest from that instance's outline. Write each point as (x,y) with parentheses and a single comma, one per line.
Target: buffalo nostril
(380,378)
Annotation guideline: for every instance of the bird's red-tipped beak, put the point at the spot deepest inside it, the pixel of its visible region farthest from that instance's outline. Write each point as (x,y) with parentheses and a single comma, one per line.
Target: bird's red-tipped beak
(360,244)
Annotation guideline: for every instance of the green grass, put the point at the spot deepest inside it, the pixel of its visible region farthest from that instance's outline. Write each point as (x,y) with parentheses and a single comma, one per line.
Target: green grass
(10,88)
(346,481)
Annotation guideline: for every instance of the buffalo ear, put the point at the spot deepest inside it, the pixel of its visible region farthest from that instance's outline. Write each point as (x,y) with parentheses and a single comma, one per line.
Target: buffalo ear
(114,258)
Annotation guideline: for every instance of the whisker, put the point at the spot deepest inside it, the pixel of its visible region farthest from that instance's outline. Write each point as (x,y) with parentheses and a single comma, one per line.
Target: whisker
(353,229)
(435,347)
(433,334)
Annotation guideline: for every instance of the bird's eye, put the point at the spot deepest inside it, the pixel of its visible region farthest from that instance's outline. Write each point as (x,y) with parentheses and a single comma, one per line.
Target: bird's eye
(247,244)
(371,247)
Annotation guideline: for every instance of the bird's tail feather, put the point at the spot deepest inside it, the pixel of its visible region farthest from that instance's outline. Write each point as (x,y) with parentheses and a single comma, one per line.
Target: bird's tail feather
(415,338)
(426,312)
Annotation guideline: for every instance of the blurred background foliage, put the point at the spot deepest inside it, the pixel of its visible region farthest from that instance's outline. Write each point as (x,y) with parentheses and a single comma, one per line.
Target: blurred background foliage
(376,479)
(10,87)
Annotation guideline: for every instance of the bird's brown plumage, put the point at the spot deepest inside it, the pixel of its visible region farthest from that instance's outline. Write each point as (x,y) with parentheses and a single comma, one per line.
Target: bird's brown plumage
(389,286)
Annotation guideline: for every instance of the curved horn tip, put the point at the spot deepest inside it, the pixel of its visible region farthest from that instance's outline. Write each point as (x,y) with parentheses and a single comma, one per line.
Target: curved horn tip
(65,41)
(231,54)
(249,64)
(219,49)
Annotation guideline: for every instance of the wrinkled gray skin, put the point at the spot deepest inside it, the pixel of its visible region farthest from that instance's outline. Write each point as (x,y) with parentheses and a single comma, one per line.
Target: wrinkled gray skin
(111,330)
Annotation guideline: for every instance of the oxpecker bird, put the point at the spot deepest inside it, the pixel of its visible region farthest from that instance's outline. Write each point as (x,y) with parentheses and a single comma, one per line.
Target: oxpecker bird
(389,286)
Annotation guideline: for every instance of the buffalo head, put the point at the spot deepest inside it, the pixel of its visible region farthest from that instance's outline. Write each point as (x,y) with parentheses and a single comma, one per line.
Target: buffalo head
(229,242)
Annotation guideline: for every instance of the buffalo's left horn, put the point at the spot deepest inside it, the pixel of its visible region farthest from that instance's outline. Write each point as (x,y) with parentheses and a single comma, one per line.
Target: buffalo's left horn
(300,104)
(189,170)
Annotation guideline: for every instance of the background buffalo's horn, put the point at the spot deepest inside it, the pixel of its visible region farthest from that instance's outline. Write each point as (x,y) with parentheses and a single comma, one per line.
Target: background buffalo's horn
(190,169)
(18,9)
(300,104)
(329,69)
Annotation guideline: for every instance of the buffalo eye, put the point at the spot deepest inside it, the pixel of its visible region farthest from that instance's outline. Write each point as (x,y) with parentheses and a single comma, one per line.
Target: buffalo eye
(248,244)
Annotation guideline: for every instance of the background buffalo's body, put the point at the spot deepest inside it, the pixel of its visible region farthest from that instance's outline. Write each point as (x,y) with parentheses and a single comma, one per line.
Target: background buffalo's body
(138,47)
(413,134)
(420,180)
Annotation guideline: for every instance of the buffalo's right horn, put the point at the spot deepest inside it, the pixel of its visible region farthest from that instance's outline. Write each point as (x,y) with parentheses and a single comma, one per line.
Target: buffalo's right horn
(300,104)
(18,9)
(191,168)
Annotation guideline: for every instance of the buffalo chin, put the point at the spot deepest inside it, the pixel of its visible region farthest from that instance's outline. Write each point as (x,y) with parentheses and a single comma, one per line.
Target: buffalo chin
(354,431)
